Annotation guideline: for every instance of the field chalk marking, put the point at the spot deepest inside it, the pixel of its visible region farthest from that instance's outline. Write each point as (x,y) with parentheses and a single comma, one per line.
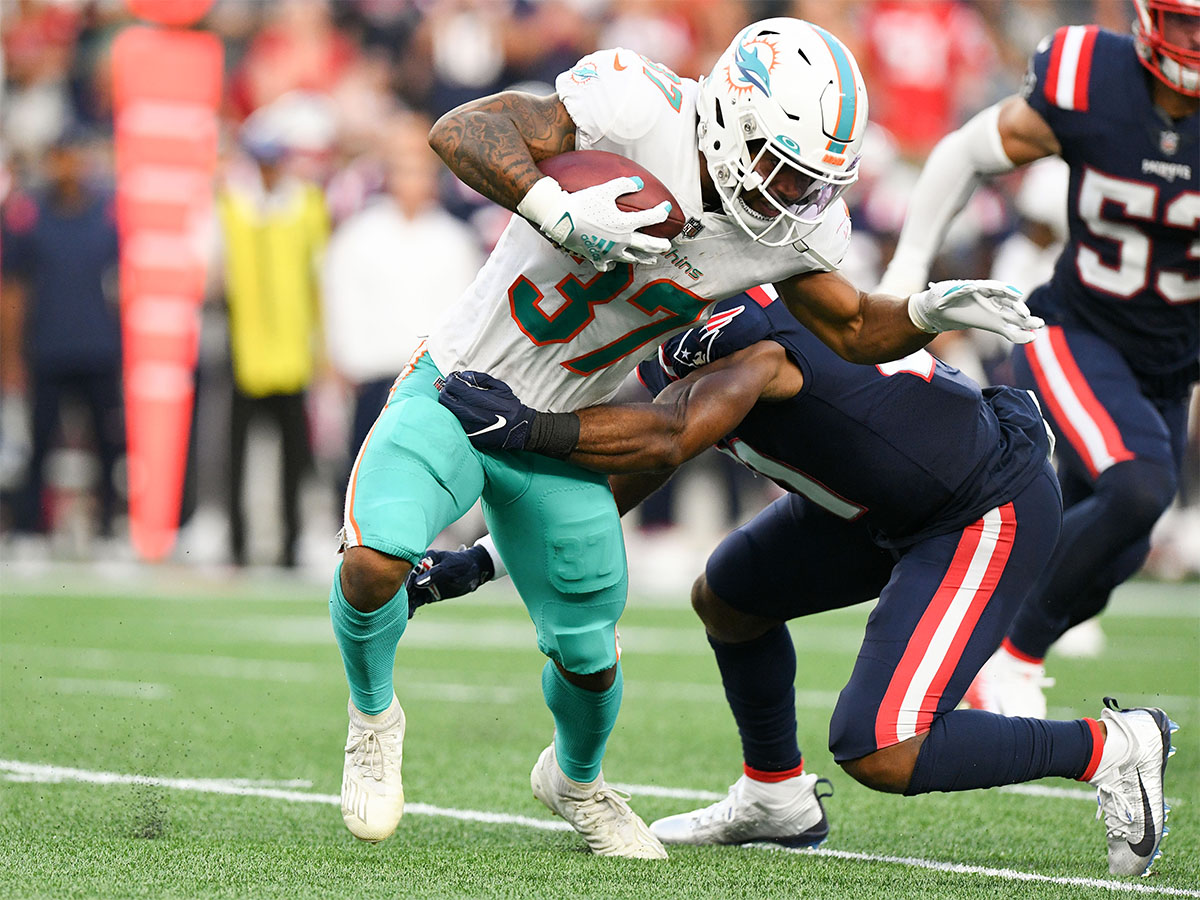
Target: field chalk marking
(14,770)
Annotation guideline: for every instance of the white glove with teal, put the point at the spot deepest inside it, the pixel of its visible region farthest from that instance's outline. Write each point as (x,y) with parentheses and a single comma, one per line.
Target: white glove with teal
(589,223)
(987,305)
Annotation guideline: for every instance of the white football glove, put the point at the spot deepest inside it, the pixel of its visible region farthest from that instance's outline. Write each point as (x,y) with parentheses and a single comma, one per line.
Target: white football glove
(589,223)
(987,305)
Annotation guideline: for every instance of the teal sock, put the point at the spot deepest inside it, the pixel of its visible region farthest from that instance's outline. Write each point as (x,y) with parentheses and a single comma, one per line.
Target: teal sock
(368,644)
(582,721)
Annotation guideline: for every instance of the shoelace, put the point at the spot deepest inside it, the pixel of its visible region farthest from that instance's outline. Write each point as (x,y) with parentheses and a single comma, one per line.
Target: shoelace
(1114,806)
(721,811)
(368,754)
(604,800)
(603,804)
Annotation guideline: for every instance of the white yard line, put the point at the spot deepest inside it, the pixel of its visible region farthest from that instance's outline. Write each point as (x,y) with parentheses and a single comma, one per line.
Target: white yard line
(654,790)
(15,770)
(987,871)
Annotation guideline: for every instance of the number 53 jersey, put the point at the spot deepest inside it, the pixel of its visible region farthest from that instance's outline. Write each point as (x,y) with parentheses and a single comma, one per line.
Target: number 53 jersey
(563,335)
(1131,269)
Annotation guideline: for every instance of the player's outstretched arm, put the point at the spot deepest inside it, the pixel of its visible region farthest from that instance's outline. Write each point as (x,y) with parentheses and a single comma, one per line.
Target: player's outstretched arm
(494,146)
(878,327)
(686,417)
(859,327)
(1002,137)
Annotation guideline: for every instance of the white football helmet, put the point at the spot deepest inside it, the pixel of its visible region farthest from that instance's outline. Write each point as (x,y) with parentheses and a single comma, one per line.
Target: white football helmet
(1174,63)
(782,118)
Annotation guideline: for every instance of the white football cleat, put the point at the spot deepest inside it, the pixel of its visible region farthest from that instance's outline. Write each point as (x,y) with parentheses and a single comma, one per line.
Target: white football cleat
(372,793)
(599,813)
(1130,790)
(1010,686)
(786,812)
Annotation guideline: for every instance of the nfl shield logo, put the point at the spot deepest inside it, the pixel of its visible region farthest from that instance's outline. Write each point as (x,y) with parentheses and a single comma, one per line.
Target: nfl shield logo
(1169,142)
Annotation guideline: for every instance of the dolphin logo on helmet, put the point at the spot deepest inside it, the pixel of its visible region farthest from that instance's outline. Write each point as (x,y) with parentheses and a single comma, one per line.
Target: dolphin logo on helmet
(781,122)
(754,71)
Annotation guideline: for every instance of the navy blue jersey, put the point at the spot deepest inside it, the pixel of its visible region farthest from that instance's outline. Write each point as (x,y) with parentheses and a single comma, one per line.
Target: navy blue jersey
(69,260)
(1131,269)
(911,448)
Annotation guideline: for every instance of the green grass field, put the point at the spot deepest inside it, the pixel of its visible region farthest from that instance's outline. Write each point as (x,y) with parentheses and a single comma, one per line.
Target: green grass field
(165,737)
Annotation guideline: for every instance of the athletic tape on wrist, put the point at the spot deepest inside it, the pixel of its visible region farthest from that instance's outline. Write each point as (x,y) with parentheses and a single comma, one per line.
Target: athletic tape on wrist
(553,434)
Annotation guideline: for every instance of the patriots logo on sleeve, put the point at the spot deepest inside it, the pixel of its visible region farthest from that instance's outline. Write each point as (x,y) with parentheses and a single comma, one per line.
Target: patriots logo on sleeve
(694,348)
(717,321)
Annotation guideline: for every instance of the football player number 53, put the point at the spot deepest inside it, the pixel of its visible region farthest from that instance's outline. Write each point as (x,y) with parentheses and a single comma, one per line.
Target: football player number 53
(1132,271)
(667,306)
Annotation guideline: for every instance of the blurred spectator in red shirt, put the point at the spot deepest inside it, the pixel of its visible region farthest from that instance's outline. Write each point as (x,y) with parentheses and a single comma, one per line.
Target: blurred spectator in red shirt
(39,40)
(299,49)
(687,36)
(926,62)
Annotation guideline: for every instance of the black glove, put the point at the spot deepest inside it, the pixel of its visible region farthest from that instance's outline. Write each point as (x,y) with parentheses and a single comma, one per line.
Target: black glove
(442,574)
(495,419)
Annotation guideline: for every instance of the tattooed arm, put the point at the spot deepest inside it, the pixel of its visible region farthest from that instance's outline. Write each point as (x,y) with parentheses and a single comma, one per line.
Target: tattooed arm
(494,144)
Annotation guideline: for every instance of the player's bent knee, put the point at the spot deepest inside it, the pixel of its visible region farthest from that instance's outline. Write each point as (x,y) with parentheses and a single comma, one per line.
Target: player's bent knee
(585,651)
(703,599)
(722,621)
(370,578)
(1139,490)
(888,770)
(596,681)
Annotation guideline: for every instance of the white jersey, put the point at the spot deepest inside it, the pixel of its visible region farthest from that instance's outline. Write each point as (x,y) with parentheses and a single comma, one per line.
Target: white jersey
(563,335)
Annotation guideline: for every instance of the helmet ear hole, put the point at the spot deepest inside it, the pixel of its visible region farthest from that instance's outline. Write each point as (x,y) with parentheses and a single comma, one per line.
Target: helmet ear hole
(716,145)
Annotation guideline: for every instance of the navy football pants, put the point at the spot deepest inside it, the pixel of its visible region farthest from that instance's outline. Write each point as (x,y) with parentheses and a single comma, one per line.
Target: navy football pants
(944,603)
(1120,452)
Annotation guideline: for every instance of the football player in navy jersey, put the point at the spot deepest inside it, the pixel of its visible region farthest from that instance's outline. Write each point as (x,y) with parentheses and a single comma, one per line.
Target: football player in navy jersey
(906,483)
(1115,366)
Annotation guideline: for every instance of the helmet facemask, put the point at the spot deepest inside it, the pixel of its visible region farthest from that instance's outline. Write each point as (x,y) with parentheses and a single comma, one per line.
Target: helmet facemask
(1175,64)
(775,198)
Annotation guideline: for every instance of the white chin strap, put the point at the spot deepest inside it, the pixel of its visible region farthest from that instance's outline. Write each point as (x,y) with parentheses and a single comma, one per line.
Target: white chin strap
(775,232)
(1184,78)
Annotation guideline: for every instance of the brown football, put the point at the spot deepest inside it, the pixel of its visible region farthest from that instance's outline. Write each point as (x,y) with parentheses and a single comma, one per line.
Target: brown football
(581,169)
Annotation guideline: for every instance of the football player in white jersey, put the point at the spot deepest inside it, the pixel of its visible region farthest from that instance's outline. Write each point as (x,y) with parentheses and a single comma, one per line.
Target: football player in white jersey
(757,155)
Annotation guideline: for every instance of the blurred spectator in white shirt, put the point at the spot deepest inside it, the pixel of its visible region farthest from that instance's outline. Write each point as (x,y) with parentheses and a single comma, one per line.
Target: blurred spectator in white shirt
(390,271)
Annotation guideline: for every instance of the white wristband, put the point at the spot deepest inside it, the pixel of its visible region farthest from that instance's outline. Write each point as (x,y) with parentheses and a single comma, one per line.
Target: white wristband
(542,201)
(916,316)
(497,563)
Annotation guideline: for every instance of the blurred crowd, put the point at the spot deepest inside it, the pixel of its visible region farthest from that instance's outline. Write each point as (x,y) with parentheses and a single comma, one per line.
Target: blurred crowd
(337,237)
